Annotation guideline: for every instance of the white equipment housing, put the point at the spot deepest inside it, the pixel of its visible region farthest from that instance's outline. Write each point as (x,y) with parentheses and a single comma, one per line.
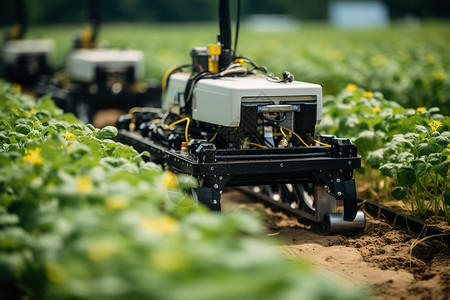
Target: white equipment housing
(82,64)
(218,101)
(12,50)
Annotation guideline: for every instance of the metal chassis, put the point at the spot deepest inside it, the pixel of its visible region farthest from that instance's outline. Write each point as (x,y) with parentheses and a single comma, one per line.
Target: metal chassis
(329,168)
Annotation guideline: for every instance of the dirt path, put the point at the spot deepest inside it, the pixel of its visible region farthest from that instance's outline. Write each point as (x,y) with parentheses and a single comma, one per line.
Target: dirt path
(381,256)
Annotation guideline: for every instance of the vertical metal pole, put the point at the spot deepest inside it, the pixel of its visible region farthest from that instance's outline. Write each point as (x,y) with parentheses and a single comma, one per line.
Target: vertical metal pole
(21,16)
(94,17)
(225,33)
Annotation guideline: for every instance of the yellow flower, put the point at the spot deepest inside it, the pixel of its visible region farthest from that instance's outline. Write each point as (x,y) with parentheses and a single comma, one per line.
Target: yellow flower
(33,157)
(30,113)
(167,261)
(163,225)
(435,125)
(35,123)
(378,60)
(351,87)
(376,110)
(102,250)
(368,95)
(84,184)
(55,273)
(17,87)
(116,202)
(68,147)
(430,58)
(69,136)
(421,110)
(438,75)
(169,180)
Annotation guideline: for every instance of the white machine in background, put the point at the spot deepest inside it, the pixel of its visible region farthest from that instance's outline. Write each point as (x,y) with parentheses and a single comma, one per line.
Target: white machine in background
(119,67)
(98,84)
(23,60)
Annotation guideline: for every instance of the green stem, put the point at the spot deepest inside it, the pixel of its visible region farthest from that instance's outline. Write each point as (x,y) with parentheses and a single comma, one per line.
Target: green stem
(436,199)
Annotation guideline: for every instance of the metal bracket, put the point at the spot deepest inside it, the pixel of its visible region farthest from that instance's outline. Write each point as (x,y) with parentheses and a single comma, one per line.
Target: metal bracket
(210,192)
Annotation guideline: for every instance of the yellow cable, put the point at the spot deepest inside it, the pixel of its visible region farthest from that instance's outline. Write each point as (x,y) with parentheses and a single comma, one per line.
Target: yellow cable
(212,139)
(254,144)
(164,79)
(281,129)
(320,143)
(295,135)
(186,135)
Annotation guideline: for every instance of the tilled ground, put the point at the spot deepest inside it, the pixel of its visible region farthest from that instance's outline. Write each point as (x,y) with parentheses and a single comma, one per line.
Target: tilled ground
(393,262)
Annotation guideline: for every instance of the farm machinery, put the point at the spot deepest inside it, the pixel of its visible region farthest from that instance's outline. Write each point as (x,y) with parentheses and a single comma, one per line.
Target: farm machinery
(23,61)
(231,122)
(100,79)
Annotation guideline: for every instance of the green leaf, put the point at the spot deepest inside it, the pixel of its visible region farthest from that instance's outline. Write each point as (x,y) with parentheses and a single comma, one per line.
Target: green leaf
(375,157)
(389,170)
(441,140)
(447,197)
(427,149)
(399,193)
(24,129)
(442,168)
(434,110)
(366,141)
(420,168)
(406,176)
(421,129)
(107,132)
(186,182)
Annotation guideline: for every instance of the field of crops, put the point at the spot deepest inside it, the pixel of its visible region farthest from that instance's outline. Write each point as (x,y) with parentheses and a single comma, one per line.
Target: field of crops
(410,65)
(385,89)
(84,217)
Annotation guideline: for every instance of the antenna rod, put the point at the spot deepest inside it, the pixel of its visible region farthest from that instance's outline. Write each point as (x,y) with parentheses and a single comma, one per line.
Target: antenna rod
(94,17)
(225,24)
(21,15)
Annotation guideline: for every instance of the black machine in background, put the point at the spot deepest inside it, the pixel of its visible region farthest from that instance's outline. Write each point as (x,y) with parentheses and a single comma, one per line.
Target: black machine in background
(23,61)
(100,80)
(231,122)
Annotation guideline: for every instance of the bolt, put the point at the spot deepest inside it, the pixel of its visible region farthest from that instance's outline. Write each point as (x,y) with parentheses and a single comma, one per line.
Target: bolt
(349,162)
(214,202)
(216,186)
(325,186)
(212,168)
(338,180)
(282,165)
(339,193)
(220,178)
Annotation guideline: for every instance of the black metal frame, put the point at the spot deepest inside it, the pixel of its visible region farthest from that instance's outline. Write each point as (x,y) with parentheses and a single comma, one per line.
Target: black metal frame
(331,167)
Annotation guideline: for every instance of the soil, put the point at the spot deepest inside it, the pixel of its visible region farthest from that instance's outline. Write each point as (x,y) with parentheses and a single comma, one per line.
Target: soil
(392,262)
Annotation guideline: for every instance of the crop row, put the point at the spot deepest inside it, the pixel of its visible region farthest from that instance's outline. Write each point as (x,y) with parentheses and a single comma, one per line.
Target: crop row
(84,217)
(411,146)
(410,65)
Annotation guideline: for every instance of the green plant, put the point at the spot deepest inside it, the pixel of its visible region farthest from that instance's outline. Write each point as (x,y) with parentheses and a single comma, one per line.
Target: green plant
(84,217)
(419,161)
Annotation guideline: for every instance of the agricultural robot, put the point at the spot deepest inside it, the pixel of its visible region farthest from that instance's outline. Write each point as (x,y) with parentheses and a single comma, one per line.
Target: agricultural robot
(97,79)
(23,61)
(231,122)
